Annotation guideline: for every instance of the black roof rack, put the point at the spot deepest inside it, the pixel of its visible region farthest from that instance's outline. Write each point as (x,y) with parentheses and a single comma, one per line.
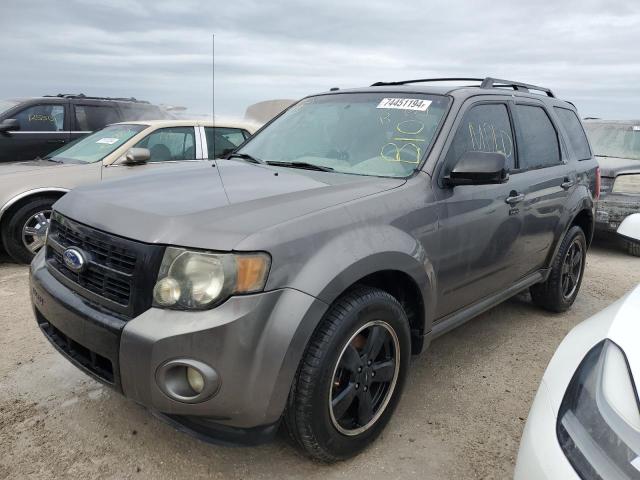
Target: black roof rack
(83,96)
(487,82)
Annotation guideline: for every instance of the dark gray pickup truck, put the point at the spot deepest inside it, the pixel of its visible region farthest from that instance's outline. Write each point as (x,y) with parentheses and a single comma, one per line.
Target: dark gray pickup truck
(292,281)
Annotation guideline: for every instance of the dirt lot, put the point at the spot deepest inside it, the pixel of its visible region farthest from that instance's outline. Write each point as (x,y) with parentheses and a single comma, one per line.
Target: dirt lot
(461,416)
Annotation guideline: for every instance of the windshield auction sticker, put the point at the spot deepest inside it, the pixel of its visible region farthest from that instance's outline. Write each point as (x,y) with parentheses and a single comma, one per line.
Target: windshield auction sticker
(108,140)
(405,104)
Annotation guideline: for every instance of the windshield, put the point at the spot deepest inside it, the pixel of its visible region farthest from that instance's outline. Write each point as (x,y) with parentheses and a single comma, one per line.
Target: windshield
(7,104)
(621,140)
(379,134)
(96,146)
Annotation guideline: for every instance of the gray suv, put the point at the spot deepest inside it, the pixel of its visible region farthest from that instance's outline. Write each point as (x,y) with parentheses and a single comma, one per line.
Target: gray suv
(291,282)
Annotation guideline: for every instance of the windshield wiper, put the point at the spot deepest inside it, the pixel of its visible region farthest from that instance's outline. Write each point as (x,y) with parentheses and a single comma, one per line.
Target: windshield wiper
(245,156)
(301,165)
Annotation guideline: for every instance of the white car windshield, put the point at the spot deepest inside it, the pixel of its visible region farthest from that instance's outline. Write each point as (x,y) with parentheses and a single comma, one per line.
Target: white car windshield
(379,134)
(96,146)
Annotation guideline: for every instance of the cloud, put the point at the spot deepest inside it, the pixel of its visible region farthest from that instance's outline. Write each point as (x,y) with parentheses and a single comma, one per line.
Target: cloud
(586,51)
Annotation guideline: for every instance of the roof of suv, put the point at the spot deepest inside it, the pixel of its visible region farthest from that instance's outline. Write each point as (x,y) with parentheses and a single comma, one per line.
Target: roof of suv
(467,87)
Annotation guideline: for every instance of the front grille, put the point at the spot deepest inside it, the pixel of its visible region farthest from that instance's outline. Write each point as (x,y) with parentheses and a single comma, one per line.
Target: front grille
(119,273)
(92,361)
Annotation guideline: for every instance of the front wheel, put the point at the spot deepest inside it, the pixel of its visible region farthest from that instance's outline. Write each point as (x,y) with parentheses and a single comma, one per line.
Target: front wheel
(560,290)
(25,231)
(351,376)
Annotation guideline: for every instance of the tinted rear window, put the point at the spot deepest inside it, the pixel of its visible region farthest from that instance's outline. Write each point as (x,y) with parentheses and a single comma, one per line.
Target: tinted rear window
(577,137)
(537,139)
(93,117)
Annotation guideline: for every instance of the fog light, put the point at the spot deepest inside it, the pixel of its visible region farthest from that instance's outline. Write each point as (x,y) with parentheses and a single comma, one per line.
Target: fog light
(195,379)
(166,292)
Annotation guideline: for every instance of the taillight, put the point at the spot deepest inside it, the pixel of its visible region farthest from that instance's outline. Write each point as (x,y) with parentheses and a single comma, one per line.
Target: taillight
(598,182)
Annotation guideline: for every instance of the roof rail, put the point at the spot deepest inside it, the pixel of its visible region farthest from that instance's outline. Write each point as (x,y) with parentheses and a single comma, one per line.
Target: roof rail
(487,82)
(85,97)
(525,87)
(424,80)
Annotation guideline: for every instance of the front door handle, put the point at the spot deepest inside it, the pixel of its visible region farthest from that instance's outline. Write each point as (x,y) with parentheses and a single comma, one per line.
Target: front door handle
(514,198)
(567,184)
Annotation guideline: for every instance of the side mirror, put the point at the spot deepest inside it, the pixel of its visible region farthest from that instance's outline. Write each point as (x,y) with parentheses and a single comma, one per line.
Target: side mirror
(479,168)
(9,125)
(137,156)
(629,229)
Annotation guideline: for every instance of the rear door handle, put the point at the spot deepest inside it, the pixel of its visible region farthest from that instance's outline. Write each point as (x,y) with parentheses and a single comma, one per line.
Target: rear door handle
(567,184)
(514,198)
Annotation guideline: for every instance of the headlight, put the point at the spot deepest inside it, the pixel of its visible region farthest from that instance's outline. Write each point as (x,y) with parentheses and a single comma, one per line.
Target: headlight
(627,184)
(192,280)
(599,419)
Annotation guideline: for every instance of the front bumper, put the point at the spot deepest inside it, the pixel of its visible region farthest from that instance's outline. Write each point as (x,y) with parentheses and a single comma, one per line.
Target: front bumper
(540,456)
(254,343)
(613,208)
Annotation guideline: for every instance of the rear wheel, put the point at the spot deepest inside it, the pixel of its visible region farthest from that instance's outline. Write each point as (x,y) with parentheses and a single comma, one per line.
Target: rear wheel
(560,290)
(24,232)
(351,376)
(633,248)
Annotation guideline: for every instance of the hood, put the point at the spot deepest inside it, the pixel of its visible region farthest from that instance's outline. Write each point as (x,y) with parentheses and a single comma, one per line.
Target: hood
(213,206)
(611,166)
(21,167)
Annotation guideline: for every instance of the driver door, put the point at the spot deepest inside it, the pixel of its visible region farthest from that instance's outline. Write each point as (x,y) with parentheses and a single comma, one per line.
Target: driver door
(168,146)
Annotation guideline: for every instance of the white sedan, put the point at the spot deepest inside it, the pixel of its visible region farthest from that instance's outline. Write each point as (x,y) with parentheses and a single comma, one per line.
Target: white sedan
(585,419)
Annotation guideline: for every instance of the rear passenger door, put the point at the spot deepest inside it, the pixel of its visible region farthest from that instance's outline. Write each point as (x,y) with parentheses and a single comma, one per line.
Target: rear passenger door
(222,140)
(90,117)
(549,180)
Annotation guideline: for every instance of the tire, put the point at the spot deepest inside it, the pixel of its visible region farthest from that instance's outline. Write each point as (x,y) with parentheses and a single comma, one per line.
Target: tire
(12,231)
(560,290)
(360,315)
(633,248)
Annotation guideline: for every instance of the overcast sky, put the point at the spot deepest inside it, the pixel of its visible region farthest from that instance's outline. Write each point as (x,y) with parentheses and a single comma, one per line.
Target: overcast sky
(587,51)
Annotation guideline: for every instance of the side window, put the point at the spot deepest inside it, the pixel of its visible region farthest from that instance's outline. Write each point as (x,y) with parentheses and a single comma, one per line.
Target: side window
(484,128)
(538,145)
(222,140)
(93,117)
(577,137)
(175,143)
(41,118)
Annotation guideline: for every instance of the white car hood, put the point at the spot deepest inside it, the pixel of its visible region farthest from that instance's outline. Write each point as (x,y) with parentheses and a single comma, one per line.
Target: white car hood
(619,322)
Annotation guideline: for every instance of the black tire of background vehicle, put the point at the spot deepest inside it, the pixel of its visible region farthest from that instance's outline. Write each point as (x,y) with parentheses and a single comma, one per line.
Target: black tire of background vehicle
(308,417)
(12,228)
(633,248)
(549,295)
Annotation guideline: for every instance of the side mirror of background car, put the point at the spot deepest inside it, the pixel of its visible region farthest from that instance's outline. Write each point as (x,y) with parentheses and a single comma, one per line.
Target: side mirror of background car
(629,229)
(9,124)
(479,168)
(137,156)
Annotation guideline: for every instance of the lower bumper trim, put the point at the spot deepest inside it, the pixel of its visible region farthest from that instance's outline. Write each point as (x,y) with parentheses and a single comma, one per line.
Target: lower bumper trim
(208,431)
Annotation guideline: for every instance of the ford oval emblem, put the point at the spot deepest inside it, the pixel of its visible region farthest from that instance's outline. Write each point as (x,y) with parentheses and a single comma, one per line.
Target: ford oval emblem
(74,259)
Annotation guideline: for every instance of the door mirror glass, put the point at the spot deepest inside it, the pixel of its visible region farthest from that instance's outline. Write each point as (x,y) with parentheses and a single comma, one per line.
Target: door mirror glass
(137,156)
(10,124)
(479,168)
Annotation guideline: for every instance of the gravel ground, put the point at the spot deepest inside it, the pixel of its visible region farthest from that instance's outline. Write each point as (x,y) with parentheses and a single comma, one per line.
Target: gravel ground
(461,416)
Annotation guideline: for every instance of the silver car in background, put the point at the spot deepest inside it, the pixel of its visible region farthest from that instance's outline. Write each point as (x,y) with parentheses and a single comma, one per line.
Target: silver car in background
(29,189)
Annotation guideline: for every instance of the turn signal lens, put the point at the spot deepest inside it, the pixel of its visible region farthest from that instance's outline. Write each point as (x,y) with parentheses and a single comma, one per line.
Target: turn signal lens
(251,272)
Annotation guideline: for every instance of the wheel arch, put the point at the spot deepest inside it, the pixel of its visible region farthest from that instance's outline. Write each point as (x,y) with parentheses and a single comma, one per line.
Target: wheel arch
(19,200)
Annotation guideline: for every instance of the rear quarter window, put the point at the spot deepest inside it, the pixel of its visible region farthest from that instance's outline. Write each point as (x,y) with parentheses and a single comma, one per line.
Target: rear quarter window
(90,118)
(577,137)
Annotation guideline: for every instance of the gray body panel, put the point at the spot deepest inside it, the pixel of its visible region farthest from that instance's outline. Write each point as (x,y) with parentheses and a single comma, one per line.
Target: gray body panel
(464,249)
